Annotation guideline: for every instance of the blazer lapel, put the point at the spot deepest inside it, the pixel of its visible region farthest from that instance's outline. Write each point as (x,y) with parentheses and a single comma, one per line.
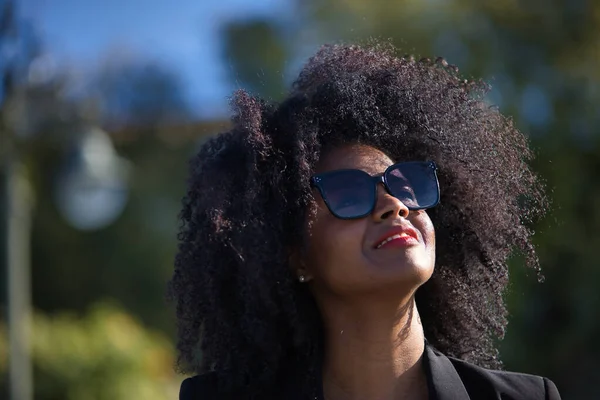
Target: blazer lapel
(443,381)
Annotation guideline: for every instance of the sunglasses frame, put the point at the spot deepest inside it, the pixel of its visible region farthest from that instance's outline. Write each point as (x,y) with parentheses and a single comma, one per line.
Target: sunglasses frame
(315,182)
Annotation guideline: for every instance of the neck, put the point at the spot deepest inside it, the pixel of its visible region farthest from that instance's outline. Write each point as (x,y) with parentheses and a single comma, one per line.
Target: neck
(374,352)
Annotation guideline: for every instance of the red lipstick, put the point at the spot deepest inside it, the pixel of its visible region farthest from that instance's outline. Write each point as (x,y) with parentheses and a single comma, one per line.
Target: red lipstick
(397,237)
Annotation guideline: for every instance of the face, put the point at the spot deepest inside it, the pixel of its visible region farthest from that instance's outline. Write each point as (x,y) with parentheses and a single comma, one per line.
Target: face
(345,256)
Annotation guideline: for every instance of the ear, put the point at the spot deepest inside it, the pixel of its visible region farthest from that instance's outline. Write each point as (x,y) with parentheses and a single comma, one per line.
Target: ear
(298,266)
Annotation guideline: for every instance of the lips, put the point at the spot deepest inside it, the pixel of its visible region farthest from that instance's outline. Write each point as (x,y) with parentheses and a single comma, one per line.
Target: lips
(395,234)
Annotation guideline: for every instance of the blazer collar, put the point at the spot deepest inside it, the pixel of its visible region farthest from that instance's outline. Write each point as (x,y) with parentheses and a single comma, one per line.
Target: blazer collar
(443,381)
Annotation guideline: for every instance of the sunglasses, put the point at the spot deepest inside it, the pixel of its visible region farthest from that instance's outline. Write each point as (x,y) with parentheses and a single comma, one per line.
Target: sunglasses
(352,193)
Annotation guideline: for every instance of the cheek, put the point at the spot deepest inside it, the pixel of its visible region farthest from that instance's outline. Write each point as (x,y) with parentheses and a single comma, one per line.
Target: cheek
(332,241)
(427,229)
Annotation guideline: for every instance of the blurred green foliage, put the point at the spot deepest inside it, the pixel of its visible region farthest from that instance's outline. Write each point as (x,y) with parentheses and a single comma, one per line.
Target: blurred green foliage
(104,354)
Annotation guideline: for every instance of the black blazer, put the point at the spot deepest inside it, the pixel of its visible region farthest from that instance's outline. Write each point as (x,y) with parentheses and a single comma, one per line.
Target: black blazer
(447,379)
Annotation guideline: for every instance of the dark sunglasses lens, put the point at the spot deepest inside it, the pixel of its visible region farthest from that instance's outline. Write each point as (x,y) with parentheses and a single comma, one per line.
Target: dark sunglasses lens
(348,194)
(415,184)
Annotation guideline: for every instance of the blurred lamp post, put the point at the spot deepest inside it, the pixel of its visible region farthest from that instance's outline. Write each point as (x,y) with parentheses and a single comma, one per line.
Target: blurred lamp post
(91,190)
(18,236)
(18,203)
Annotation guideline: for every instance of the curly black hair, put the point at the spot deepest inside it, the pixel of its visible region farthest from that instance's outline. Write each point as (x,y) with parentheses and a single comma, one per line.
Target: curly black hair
(241,311)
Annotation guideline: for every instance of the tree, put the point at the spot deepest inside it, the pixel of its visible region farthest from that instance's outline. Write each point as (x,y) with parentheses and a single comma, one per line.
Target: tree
(137,92)
(258,53)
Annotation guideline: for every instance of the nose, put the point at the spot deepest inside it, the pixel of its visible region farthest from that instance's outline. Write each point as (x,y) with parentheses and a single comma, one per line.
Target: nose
(388,206)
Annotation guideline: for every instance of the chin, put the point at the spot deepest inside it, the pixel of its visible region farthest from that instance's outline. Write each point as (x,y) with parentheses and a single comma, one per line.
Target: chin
(415,272)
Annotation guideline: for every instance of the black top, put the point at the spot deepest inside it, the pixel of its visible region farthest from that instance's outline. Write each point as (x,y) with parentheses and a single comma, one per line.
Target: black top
(447,379)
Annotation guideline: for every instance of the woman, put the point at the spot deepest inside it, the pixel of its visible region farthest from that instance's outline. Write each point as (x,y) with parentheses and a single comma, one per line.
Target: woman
(308,265)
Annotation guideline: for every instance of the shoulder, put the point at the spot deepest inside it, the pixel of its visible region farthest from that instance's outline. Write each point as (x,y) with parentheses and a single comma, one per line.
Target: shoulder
(485,383)
(208,387)
(200,387)
(450,378)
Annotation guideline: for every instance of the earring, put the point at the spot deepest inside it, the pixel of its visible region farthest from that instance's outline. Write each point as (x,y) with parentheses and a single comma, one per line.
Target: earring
(302,278)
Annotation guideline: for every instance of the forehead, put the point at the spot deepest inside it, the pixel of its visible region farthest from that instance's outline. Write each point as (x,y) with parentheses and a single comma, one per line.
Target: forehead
(366,158)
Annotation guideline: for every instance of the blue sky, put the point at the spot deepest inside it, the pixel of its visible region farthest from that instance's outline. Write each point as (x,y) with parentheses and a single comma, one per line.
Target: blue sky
(184,37)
